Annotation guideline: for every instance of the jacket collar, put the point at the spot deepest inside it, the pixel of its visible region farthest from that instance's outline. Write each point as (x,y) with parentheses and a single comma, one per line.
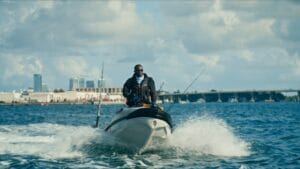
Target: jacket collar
(145,75)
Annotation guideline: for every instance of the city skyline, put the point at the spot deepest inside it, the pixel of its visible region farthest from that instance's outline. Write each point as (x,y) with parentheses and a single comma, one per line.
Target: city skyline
(76,83)
(239,45)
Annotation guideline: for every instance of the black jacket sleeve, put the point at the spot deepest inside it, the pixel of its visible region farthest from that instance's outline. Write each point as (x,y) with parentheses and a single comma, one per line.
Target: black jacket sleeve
(152,90)
(126,89)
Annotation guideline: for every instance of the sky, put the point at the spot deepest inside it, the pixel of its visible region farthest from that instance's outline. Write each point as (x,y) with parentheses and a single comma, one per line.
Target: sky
(231,45)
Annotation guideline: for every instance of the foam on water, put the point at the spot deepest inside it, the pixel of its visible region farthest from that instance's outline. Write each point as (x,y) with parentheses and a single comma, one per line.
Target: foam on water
(44,140)
(204,135)
(208,135)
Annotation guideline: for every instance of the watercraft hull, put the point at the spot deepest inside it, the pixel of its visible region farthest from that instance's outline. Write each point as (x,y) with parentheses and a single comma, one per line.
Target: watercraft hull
(140,128)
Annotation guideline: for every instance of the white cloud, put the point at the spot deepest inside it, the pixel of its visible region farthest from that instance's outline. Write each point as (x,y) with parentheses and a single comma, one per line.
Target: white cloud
(216,15)
(17,70)
(254,42)
(209,61)
(247,55)
(65,25)
(20,66)
(72,66)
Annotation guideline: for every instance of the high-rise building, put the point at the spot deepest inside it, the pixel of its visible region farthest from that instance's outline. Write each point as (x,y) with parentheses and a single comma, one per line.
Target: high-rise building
(76,83)
(90,84)
(45,87)
(101,83)
(81,82)
(73,83)
(37,82)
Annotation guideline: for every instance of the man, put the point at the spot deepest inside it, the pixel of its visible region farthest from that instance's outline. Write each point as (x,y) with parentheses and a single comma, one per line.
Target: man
(139,89)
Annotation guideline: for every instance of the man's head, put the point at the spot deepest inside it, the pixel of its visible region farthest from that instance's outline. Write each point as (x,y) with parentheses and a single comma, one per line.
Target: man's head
(138,70)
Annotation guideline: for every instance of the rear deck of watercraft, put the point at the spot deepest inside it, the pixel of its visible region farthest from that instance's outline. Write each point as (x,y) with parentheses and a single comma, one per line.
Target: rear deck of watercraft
(140,128)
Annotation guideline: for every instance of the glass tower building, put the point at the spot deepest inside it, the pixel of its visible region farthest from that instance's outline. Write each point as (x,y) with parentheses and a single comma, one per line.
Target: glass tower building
(81,82)
(74,83)
(90,84)
(37,83)
(101,83)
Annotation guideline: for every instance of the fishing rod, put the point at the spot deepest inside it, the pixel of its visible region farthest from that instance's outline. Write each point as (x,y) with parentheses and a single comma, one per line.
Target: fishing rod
(187,88)
(160,87)
(98,112)
(100,98)
(197,77)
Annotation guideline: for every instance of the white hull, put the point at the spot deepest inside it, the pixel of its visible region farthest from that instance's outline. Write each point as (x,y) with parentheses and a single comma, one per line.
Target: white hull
(139,133)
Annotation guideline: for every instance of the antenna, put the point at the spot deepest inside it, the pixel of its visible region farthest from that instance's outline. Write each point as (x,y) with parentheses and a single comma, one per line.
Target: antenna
(100,98)
(102,74)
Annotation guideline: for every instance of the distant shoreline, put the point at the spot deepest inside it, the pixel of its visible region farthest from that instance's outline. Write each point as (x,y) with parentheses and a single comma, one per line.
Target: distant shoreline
(61,103)
(121,103)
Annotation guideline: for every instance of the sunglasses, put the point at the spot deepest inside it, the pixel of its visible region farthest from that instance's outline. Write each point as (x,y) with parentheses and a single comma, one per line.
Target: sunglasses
(139,70)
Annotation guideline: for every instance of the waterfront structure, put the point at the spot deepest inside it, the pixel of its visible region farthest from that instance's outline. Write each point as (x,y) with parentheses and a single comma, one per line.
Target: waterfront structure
(10,97)
(113,95)
(62,97)
(231,96)
(37,83)
(74,97)
(90,84)
(68,96)
(40,97)
(108,90)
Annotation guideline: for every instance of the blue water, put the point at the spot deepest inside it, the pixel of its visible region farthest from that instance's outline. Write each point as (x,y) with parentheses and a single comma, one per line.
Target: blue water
(211,135)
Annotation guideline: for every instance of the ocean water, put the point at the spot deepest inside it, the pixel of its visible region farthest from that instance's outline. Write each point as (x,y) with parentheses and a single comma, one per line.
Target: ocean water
(210,135)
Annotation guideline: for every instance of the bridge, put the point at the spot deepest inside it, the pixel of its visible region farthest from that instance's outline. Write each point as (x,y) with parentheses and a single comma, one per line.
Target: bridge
(231,96)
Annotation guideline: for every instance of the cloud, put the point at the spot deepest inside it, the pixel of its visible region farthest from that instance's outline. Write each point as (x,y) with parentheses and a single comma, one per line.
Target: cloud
(66,25)
(215,29)
(20,66)
(17,70)
(249,44)
(247,55)
(209,61)
(71,66)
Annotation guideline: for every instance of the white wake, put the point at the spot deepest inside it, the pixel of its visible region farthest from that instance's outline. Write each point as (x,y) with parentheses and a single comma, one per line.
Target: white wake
(208,135)
(44,140)
(205,135)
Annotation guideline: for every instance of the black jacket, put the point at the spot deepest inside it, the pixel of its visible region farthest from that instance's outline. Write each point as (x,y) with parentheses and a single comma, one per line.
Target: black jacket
(137,94)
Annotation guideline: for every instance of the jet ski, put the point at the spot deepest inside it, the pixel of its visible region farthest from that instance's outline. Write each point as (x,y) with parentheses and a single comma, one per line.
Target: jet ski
(139,128)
